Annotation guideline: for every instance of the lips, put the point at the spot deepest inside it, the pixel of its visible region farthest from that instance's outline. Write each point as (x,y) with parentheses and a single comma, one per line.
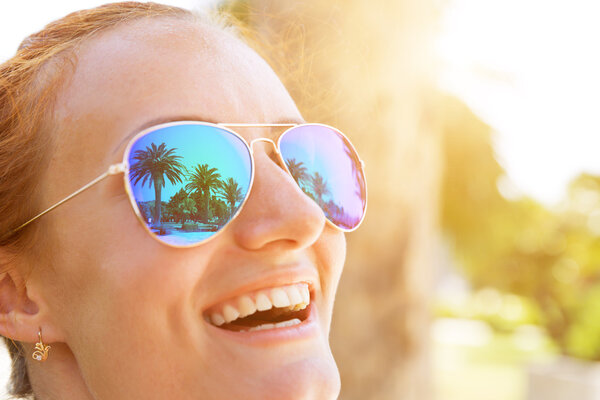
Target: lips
(271,308)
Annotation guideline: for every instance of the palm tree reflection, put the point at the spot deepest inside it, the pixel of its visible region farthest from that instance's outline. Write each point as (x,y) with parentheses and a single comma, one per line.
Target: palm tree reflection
(314,185)
(209,200)
(152,165)
(203,180)
(231,192)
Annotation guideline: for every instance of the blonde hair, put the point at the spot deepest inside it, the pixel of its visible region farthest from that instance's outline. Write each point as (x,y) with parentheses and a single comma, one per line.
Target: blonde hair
(28,83)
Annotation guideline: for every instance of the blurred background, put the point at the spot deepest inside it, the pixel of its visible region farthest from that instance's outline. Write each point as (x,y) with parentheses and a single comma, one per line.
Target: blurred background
(476,273)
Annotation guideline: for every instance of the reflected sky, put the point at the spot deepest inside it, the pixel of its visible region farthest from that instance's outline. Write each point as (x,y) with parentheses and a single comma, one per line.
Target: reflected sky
(196,144)
(322,150)
(191,153)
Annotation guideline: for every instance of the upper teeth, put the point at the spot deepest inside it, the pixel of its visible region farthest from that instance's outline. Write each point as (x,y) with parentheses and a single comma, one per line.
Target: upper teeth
(295,297)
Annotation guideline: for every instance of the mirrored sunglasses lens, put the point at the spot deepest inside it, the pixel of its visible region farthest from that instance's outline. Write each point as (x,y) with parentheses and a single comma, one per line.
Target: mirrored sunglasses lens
(188,181)
(328,170)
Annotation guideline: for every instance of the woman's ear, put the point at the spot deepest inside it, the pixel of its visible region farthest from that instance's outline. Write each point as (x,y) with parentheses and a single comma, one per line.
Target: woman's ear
(20,316)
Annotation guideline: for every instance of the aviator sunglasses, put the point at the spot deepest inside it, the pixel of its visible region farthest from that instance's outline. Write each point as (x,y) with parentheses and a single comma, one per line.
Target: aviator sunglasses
(187,180)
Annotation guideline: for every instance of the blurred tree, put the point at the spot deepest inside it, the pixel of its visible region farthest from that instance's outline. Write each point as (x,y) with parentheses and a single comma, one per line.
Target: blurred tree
(518,246)
(364,67)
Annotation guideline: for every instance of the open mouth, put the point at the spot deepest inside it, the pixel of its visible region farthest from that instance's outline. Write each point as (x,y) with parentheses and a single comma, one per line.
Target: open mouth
(277,307)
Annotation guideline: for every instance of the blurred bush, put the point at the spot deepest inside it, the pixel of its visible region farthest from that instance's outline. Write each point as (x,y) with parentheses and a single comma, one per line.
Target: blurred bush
(550,258)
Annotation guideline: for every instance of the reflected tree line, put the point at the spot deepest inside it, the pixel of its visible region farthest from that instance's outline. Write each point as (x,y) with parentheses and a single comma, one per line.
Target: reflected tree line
(316,187)
(206,197)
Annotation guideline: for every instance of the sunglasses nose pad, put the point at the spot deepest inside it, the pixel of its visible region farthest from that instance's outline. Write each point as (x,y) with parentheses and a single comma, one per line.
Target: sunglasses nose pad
(266,140)
(275,156)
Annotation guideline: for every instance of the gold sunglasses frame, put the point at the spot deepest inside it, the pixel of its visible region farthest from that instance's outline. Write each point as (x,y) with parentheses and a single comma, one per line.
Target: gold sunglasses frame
(123,167)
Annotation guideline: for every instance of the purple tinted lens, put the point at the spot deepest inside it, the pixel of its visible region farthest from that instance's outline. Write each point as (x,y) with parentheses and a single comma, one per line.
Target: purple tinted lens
(326,167)
(199,174)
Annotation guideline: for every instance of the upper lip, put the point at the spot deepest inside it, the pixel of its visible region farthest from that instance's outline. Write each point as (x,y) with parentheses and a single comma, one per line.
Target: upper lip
(281,277)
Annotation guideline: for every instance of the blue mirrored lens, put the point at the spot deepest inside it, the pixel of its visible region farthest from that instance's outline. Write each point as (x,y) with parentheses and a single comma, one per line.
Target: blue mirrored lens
(188,180)
(328,170)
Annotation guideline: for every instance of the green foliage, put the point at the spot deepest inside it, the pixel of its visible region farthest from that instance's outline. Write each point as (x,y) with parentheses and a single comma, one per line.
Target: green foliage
(583,339)
(550,257)
(201,214)
(187,207)
(503,312)
(220,210)
(173,210)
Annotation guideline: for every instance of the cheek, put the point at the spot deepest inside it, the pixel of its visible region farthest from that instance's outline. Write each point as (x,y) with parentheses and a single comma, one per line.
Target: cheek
(330,250)
(109,272)
(117,288)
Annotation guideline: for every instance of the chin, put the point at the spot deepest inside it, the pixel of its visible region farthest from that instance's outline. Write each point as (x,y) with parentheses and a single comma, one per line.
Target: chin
(308,379)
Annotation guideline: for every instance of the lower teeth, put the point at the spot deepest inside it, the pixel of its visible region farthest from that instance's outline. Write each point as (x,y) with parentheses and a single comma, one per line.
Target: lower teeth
(282,324)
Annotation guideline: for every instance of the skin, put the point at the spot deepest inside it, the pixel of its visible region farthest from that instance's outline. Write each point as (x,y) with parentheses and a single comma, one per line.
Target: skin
(123,312)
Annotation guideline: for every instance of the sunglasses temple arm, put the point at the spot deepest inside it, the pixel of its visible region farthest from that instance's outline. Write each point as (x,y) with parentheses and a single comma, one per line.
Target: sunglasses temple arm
(112,170)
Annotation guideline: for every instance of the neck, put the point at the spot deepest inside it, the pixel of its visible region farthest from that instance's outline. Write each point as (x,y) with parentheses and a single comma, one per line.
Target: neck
(57,378)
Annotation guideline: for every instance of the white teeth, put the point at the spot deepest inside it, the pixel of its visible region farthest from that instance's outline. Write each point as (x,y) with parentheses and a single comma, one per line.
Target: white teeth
(230,313)
(261,327)
(262,302)
(247,306)
(291,322)
(282,324)
(293,297)
(305,294)
(217,319)
(279,298)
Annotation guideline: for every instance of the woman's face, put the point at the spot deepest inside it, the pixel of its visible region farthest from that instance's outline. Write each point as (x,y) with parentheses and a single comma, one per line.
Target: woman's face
(132,310)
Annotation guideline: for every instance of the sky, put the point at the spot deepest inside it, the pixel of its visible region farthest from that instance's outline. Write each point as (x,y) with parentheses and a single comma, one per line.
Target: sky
(531,70)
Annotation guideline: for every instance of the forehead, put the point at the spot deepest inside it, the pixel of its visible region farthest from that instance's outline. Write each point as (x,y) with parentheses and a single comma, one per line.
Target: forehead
(155,69)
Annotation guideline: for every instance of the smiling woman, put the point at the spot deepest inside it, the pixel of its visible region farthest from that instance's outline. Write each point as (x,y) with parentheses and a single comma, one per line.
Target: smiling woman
(195,261)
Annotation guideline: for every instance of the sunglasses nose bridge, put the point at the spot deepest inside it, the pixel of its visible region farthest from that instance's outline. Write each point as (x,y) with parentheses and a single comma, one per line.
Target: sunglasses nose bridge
(263,140)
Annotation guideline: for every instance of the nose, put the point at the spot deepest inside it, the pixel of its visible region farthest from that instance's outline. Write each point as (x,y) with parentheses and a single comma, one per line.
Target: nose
(277,212)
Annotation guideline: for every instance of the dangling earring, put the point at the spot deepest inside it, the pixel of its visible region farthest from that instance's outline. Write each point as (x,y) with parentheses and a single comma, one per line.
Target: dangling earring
(41,351)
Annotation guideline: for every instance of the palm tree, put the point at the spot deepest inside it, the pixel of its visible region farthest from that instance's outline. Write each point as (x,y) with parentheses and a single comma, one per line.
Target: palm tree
(187,207)
(231,192)
(297,170)
(203,180)
(152,165)
(319,187)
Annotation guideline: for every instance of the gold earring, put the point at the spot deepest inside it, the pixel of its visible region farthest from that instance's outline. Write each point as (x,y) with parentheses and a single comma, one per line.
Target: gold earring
(41,351)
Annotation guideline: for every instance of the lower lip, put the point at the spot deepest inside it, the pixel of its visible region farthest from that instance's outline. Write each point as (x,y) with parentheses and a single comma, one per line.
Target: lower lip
(305,330)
